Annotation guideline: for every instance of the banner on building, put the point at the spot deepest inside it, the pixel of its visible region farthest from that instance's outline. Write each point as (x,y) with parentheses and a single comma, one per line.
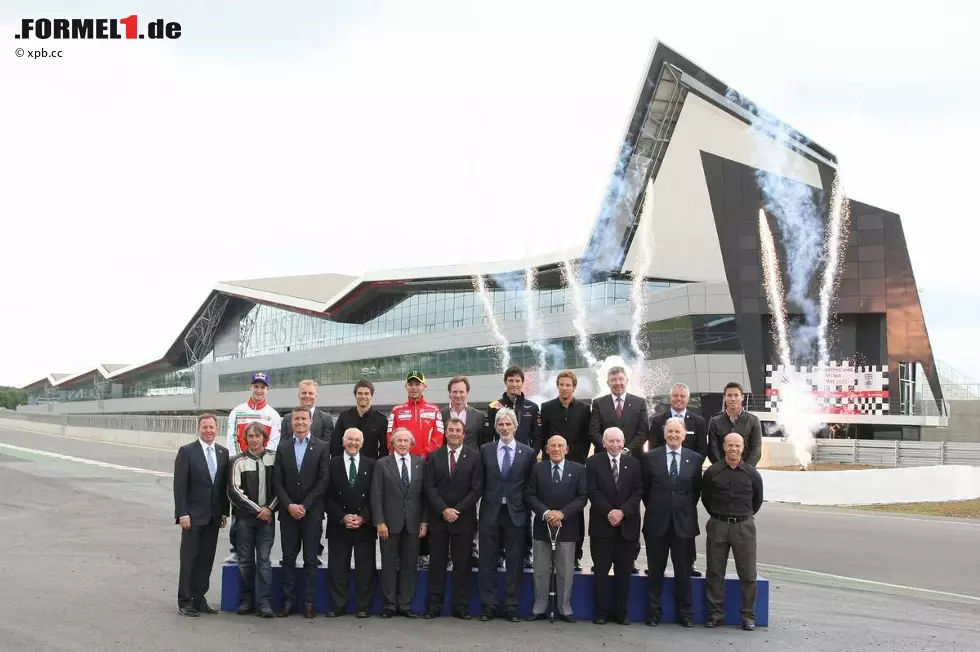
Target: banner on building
(837,388)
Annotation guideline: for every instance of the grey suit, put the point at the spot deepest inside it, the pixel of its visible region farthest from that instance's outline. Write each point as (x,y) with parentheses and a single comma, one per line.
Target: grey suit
(475,420)
(403,511)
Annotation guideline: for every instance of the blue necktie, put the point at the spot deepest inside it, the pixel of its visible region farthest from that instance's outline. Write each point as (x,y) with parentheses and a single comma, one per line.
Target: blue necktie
(505,467)
(212,465)
(556,474)
(673,465)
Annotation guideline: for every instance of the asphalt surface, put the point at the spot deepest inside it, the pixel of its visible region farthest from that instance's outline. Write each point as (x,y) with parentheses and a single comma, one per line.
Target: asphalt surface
(89,561)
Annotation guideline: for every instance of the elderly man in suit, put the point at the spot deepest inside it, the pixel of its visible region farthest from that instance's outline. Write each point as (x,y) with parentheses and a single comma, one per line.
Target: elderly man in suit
(672,488)
(453,485)
(556,493)
(473,420)
(350,528)
(400,514)
(507,465)
(299,478)
(201,507)
(615,490)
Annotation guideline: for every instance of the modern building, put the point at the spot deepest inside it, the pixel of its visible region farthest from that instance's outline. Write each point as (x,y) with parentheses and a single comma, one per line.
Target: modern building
(690,142)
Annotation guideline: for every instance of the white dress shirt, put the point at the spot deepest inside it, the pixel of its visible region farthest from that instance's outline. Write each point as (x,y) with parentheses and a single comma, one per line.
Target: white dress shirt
(408,465)
(671,457)
(449,456)
(461,415)
(357,463)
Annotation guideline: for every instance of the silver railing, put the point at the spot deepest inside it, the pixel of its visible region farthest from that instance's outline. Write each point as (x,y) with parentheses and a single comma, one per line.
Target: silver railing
(875,452)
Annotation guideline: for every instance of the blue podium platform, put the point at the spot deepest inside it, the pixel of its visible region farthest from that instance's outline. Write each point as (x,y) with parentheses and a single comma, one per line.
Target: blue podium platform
(582,595)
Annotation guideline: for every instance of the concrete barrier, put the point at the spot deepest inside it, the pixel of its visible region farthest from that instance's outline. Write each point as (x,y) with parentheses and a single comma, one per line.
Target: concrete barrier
(776,452)
(161,440)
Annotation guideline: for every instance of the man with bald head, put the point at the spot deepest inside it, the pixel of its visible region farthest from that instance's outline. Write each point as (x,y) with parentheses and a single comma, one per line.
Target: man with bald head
(615,485)
(556,493)
(731,491)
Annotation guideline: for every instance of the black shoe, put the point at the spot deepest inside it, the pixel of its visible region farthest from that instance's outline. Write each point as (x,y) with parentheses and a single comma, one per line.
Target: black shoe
(748,624)
(287,608)
(621,621)
(696,573)
(190,612)
(408,614)
(362,614)
(686,622)
(334,614)
(309,610)
(511,616)
(245,609)
(713,622)
(578,565)
(599,621)
(568,619)
(265,612)
(489,613)
(461,614)
(653,622)
(203,607)
(636,571)
(387,614)
(534,617)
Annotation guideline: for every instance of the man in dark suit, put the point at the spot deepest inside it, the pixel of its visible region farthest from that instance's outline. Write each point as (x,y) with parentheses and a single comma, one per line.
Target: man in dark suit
(453,485)
(372,423)
(507,464)
(628,412)
(201,507)
(321,426)
(569,417)
(350,527)
(400,514)
(299,479)
(695,438)
(672,488)
(556,493)
(615,490)
(473,420)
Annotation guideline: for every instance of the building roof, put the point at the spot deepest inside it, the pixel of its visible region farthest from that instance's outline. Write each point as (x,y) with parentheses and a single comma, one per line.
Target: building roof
(356,299)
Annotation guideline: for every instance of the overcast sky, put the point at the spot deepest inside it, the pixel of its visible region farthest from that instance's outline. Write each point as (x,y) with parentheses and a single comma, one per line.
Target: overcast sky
(267,142)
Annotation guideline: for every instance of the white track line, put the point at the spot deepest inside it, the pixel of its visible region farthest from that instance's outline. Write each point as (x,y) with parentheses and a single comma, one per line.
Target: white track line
(82,460)
(828,512)
(871,582)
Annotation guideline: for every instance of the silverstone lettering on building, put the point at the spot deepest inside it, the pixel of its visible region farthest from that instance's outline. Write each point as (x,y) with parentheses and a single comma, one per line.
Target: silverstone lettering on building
(96,28)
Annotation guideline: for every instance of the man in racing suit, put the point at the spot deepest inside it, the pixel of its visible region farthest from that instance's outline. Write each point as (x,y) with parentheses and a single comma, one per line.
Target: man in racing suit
(424,421)
(255,409)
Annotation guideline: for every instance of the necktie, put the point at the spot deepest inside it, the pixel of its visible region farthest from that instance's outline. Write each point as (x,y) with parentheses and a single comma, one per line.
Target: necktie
(212,465)
(556,474)
(619,408)
(452,462)
(673,464)
(505,467)
(404,475)
(352,474)
(615,470)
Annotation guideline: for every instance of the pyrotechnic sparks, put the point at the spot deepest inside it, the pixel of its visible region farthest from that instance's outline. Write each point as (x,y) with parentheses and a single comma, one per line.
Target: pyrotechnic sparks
(641,265)
(574,286)
(481,290)
(531,316)
(836,241)
(774,289)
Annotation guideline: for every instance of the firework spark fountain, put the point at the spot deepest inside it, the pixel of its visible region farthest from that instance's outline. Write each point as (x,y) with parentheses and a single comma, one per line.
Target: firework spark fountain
(836,241)
(481,290)
(641,265)
(774,289)
(531,315)
(574,285)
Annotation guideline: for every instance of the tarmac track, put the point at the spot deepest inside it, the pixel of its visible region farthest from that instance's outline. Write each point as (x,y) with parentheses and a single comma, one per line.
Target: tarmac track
(90,561)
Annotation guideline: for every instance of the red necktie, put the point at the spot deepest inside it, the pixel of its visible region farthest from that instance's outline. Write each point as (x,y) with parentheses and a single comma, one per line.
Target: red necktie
(619,409)
(452,462)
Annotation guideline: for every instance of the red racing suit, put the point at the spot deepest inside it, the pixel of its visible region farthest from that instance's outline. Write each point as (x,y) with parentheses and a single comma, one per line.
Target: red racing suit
(423,420)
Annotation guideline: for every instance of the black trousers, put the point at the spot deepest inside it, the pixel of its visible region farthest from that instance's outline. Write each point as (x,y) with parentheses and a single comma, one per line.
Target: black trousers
(679,549)
(303,534)
(514,539)
(197,550)
(338,568)
(617,553)
(399,568)
(458,546)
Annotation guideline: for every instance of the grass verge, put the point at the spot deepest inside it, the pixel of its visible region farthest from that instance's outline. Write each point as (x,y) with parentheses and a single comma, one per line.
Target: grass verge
(952,508)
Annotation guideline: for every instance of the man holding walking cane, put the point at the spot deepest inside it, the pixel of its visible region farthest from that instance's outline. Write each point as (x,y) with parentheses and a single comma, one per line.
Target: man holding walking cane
(556,493)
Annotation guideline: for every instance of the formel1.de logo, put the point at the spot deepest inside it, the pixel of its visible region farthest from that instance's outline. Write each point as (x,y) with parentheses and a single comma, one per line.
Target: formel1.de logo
(96,28)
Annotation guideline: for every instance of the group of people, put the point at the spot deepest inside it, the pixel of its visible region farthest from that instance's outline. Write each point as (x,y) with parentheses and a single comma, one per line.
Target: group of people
(437,486)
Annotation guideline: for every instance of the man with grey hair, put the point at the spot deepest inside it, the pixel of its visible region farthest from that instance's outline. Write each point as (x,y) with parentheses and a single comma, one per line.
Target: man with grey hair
(695,437)
(507,465)
(400,513)
(619,409)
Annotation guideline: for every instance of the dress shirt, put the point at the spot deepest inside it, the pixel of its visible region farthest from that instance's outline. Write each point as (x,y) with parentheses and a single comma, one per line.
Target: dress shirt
(449,456)
(732,492)
(670,459)
(461,415)
(500,458)
(680,415)
(300,446)
(357,463)
(205,447)
(616,460)
(408,465)
(551,474)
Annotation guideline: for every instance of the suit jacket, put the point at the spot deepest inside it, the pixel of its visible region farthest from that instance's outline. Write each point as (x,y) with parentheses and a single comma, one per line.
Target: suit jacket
(568,496)
(305,486)
(342,498)
(605,496)
(194,493)
(461,490)
(393,506)
(671,501)
(496,488)
(321,427)
(473,430)
(635,422)
(697,432)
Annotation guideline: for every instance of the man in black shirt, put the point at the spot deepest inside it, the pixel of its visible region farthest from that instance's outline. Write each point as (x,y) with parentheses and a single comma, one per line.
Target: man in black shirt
(735,418)
(569,418)
(731,491)
(372,424)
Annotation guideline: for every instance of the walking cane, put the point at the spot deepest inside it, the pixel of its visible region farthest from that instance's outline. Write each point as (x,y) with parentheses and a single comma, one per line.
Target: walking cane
(553,588)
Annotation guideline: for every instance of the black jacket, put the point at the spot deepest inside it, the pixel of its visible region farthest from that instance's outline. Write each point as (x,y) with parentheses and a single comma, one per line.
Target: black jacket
(606,496)
(305,486)
(696,438)
(194,493)
(342,498)
(460,491)
(321,425)
(373,424)
(572,423)
(671,501)
(528,421)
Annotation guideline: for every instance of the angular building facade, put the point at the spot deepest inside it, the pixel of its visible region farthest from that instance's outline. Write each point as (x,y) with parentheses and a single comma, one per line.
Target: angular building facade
(684,187)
